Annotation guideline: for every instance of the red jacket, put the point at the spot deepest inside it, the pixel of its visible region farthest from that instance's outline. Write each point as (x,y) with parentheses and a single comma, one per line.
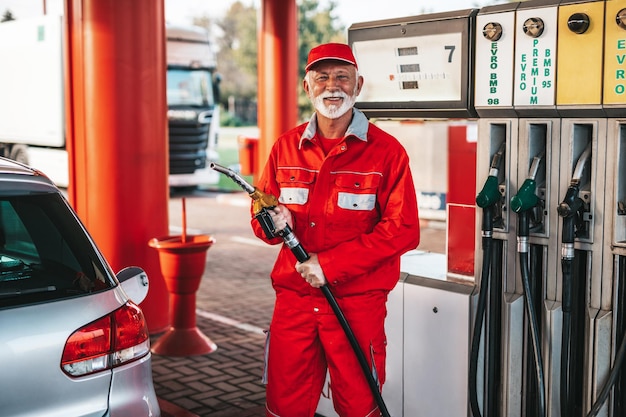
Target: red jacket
(356,207)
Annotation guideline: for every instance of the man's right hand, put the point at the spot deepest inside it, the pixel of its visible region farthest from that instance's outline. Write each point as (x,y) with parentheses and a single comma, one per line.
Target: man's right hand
(281,216)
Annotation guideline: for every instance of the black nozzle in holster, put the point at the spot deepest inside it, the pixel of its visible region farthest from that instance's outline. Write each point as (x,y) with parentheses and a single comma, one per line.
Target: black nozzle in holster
(571,203)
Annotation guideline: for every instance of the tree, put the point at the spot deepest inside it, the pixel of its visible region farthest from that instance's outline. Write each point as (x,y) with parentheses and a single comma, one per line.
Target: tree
(7,16)
(236,52)
(236,49)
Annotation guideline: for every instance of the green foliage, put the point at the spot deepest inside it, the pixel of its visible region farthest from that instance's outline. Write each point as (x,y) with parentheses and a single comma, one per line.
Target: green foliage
(227,119)
(316,26)
(237,51)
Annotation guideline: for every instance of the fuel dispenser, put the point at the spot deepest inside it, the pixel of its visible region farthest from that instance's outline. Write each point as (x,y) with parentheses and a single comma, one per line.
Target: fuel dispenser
(543,150)
(488,306)
(497,139)
(524,204)
(539,136)
(613,286)
(616,228)
(546,315)
(586,319)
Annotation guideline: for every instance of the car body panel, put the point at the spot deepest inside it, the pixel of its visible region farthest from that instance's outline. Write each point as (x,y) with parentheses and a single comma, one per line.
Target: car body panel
(31,345)
(33,335)
(124,389)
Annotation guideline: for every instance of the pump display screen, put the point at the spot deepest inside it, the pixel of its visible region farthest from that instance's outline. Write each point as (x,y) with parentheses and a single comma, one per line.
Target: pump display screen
(415,66)
(420,69)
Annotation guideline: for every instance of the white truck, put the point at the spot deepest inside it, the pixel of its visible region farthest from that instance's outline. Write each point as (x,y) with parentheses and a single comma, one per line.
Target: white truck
(32,107)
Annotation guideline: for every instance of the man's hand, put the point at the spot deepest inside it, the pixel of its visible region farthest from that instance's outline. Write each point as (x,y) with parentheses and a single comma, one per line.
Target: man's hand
(311,271)
(281,216)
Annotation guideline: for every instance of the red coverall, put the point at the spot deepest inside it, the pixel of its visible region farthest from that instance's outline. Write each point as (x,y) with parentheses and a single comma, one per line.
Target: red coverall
(356,208)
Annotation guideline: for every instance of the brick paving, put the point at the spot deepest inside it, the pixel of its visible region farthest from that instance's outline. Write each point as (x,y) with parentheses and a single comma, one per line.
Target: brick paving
(235,303)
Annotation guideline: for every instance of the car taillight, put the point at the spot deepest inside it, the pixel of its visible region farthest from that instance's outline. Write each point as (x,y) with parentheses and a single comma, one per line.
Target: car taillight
(110,341)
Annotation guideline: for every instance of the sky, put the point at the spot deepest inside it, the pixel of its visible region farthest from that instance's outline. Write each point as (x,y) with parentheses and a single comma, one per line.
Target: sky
(347,11)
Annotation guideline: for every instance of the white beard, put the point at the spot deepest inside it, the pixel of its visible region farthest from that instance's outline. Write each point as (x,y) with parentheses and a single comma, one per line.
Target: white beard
(332,111)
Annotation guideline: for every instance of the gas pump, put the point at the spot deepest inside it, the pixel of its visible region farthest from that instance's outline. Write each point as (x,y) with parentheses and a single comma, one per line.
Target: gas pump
(613,393)
(572,211)
(523,203)
(497,140)
(488,199)
(575,330)
(585,285)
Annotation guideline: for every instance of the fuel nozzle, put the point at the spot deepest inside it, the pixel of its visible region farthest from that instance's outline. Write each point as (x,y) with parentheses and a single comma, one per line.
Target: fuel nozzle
(526,197)
(570,209)
(490,194)
(572,203)
(261,200)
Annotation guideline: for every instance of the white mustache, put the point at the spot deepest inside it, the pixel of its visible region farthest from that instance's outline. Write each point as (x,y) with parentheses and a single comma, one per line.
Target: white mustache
(337,94)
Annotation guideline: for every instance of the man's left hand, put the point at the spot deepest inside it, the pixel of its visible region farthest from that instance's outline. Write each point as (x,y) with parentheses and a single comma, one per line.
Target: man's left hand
(311,271)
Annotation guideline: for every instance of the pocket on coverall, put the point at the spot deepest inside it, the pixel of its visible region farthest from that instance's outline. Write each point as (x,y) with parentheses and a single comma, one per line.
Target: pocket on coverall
(295,185)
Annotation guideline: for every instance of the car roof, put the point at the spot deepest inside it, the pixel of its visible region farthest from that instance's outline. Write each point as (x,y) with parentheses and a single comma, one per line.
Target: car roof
(12,171)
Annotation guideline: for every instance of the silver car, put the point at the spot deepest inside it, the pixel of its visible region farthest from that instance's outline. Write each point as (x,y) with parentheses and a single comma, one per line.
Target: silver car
(73,341)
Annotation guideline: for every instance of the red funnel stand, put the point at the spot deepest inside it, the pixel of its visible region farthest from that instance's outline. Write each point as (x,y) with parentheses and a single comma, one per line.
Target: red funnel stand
(182,263)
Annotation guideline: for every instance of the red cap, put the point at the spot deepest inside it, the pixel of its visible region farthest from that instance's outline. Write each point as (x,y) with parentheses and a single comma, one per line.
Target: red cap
(336,51)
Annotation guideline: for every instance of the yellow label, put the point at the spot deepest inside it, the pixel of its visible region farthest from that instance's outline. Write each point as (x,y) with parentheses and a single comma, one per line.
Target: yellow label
(579,56)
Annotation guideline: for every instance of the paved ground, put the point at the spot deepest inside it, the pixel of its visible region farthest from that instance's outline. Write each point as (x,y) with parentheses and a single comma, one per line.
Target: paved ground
(234,304)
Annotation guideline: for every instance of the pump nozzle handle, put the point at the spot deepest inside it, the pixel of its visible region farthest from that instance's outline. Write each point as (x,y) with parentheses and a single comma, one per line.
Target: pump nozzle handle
(526,197)
(571,203)
(490,194)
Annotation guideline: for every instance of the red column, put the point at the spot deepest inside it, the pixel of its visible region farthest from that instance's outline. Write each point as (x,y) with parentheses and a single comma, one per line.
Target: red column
(117,133)
(277,72)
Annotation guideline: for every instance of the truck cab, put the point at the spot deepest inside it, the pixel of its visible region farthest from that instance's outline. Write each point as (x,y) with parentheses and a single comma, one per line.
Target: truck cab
(193,106)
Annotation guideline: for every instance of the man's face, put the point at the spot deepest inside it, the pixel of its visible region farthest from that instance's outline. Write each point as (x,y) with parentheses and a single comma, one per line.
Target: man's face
(333,87)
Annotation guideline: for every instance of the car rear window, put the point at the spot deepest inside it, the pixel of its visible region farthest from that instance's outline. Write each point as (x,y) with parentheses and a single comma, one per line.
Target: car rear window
(45,254)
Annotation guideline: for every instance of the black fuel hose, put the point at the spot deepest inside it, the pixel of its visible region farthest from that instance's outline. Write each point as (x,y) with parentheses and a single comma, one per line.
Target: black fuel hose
(567,261)
(522,246)
(487,242)
(617,367)
(568,209)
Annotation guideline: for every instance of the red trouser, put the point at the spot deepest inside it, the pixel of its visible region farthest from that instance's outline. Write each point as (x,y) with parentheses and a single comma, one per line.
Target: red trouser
(305,338)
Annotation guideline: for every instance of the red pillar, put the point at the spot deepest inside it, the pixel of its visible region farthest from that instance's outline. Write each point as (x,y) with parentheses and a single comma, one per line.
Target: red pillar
(277,72)
(117,133)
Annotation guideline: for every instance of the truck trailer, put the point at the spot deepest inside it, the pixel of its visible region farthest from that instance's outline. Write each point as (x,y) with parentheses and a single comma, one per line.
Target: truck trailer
(32,103)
